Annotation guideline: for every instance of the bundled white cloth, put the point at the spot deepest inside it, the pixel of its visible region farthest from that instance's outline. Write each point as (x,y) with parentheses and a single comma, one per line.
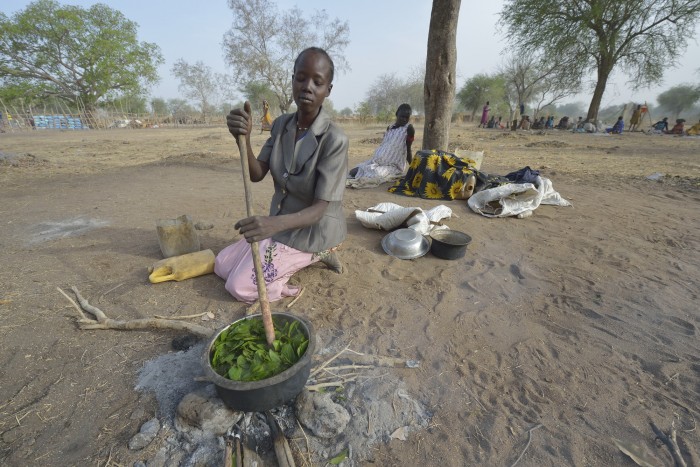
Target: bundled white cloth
(370,182)
(515,199)
(389,216)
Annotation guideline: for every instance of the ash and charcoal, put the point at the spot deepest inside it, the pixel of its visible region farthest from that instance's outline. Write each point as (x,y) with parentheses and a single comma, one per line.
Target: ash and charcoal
(194,421)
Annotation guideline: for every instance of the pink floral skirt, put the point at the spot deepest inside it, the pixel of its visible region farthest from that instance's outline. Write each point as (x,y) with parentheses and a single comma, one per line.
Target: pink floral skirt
(234,264)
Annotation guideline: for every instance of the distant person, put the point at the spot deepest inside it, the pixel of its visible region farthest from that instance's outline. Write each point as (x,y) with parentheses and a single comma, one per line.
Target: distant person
(266,120)
(618,127)
(661,126)
(579,124)
(516,119)
(549,124)
(485,115)
(390,160)
(694,130)
(525,123)
(539,124)
(492,122)
(636,118)
(678,128)
(589,127)
(563,123)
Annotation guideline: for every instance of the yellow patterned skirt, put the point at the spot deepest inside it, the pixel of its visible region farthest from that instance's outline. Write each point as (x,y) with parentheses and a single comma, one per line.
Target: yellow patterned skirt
(435,174)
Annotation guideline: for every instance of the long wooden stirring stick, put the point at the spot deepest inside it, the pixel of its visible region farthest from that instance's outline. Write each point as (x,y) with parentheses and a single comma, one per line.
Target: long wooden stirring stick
(259,276)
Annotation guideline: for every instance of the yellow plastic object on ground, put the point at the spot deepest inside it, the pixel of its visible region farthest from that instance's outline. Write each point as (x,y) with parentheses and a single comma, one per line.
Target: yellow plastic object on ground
(179,268)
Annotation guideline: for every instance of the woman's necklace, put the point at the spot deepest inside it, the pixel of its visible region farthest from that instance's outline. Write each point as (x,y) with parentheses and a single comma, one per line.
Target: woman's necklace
(301,128)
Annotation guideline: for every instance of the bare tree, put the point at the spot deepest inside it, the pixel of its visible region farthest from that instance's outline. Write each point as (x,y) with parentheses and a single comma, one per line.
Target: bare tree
(440,73)
(529,79)
(263,43)
(389,91)
(413,89)
(199,83)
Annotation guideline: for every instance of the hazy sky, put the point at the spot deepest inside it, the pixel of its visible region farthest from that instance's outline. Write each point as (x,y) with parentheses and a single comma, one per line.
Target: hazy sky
(386,36)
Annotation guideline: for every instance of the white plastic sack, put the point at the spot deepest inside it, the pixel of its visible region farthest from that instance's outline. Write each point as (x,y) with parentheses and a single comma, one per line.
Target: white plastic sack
(389,216)
(515,199)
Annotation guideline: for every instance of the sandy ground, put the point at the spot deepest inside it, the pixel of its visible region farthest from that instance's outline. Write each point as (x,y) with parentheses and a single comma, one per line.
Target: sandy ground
(581,322)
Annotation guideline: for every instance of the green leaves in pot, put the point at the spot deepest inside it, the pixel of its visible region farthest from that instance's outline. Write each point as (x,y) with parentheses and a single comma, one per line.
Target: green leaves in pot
(241,353)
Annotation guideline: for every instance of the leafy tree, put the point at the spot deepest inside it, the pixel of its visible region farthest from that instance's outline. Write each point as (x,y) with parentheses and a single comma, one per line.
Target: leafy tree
(127,104)
(179,106)
(641,37)
(199,83)
(364,111)
(385,93)
(75,54)
(263,43)
(679,98)
(330,108)
(346,112)
(440,73)
(18,95)
(226,107)
(478,89)
(159,106)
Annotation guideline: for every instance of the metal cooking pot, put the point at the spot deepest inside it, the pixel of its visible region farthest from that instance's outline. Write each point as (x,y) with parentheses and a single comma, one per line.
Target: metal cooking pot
(449,244)
(266,394)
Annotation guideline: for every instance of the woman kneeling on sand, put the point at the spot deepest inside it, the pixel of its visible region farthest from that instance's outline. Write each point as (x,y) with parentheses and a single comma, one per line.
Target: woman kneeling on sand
(307,155)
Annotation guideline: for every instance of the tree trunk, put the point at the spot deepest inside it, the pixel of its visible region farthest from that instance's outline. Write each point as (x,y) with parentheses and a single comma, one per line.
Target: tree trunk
(440,70)
(594,107)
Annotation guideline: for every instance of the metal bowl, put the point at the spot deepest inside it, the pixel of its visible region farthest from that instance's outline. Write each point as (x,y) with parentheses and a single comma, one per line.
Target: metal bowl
(405,244)
(449,244)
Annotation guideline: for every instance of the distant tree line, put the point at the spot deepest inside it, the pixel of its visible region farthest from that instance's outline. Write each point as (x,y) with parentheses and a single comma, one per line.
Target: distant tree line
(83,60)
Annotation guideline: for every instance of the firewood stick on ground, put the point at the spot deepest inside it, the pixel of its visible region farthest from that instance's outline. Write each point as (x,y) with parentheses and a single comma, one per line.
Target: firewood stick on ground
(228,454)
(101,321)
(529,439)
(282,450)
(198,315)
(290,304)
(670,442)
(253,308)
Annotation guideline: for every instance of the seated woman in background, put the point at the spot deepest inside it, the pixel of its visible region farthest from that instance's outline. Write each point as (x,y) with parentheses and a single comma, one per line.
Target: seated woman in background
(618,127)
(678,128)
(391,158)
(525,123)
(694,130)
(563,123)
(661,125)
